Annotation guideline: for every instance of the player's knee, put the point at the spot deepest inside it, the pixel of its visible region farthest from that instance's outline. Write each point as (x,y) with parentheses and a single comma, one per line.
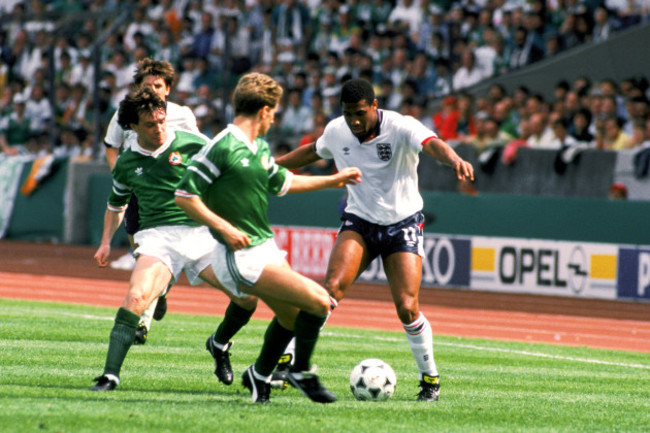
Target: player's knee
(334,288)
(248,303)
(407,310)
(321,306)
(136,302)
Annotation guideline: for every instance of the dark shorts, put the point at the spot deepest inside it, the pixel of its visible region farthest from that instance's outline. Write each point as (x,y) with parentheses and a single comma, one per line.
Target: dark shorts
(132,216)
(404,236)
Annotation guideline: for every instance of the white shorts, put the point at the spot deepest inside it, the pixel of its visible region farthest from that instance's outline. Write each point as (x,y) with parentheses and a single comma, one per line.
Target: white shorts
(181,248)
(246,265)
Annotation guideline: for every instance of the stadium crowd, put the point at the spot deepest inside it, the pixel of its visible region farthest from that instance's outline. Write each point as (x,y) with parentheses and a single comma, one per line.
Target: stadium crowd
(416,53)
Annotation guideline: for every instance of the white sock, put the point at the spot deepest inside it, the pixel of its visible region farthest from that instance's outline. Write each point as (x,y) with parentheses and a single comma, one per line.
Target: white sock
(147,316)
(420,338)
(258,376)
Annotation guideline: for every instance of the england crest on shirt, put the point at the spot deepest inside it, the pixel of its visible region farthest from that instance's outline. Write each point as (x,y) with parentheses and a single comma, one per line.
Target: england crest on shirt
(384,151)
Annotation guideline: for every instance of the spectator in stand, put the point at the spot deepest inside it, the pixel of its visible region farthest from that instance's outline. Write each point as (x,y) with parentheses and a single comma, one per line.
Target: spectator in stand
(75,114)
(579,128)
(446,119)
(541,135)
(638,109)
(502,113)
(468,74)
(434,33)
(387,95)
(492,58)
(638,136)
(442,84)
(406,17)
(612,137)
(204,75)
(83,72)
(571,104)
(138,24)
(120,67)
(481,139)
(166,49)
(38,51)
(496,93)
(38,108)
(466,125)
(15,127)
(561,137)
(202,40)
(569,33)
(291,24)
(534,21)
(63,73)
(422,75)
(609,108)
(604,24)
(552,44)
(535,103)
(6,100)
(524,52)
(297,119)
(322,166)
(70,145)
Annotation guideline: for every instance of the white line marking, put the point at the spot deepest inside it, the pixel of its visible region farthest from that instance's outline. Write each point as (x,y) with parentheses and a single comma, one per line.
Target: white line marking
(496,349)
(392,339)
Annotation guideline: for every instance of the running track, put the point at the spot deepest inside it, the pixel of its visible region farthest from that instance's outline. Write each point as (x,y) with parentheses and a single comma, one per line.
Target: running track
(64,273)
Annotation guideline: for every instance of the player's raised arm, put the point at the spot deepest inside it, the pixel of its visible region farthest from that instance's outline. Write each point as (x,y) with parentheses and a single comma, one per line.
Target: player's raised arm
(303,155)
(444,153)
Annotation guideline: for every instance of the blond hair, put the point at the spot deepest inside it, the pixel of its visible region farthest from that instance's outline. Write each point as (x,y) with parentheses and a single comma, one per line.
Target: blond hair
(255,91)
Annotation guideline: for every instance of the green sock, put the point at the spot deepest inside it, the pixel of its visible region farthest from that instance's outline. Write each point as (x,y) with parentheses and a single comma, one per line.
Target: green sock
(276,339)
(235,318)
(307,328)
(121,340)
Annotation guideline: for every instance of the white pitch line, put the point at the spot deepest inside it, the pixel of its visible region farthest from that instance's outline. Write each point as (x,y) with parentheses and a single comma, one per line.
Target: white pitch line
(393,339)
(496,349)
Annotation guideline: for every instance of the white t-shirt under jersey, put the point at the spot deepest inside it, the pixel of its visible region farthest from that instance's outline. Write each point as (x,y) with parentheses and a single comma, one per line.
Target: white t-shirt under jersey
(178,117)
(388,192)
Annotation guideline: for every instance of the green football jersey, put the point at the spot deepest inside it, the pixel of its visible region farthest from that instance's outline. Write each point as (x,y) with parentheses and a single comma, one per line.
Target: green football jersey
(153,177)
(234,178)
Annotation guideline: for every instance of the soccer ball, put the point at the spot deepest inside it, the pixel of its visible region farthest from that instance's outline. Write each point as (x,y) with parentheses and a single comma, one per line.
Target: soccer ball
(373,380)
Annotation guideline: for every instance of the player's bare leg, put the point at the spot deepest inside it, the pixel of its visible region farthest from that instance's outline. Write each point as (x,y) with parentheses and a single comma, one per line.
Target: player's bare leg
(149,279)
(404,272)
(347,260)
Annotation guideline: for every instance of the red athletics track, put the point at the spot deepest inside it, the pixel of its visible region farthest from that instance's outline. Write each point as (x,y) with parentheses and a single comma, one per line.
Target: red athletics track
(65,273)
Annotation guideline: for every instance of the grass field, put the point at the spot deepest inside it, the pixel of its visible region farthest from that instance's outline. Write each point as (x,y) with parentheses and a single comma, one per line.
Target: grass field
(50,352)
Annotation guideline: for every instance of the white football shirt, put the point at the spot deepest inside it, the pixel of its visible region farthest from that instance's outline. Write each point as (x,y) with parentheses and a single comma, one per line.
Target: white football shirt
(178,117)
(388,192)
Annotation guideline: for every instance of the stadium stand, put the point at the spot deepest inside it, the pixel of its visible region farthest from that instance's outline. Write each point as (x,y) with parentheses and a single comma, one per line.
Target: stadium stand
(71,61)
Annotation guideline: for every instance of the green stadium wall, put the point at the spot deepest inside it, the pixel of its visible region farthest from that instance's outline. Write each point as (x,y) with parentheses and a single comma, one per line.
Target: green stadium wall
(69,207)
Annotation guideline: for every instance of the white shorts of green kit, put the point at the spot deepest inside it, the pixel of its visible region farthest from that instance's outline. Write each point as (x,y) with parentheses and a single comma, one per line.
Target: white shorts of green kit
(246,265)
(181,248)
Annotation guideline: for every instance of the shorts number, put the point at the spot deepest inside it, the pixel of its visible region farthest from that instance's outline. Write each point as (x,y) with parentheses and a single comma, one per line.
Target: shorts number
(410,234)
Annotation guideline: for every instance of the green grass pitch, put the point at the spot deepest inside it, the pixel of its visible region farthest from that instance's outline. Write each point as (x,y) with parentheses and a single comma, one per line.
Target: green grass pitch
(49,353)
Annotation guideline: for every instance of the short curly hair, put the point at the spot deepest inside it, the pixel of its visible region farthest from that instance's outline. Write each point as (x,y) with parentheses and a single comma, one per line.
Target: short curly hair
(137,103)
(156,68)
(357,90)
